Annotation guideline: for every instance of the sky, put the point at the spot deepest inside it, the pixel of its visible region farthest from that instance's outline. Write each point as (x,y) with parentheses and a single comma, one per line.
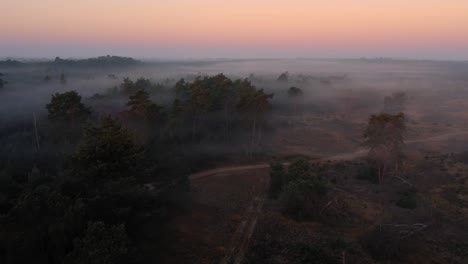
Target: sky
(420,29)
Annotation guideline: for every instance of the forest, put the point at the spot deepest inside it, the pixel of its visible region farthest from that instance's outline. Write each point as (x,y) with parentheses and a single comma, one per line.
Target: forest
(117,160)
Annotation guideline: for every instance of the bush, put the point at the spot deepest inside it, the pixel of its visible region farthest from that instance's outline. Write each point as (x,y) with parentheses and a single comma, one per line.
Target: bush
(277,178)
(101,244)
(407,199)
(303,196)
(300,189)
(329,251)
(368,173)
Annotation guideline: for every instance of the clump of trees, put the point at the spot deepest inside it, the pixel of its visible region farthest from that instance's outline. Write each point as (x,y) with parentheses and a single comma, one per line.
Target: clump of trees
(84,201)
(213,107)
(301,189)
(384,136)
(102,61)
(88,213)
(67,116)
(143,108)
(67,107)
(129,87)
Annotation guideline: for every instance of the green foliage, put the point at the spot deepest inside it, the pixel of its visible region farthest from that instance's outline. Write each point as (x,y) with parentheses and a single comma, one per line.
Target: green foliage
(301,189)
(128,87)
(384,135)
(102,244)
(182,90)
(67,107)
(300,168)
(407,199)
(142,106)
(368,173)
(277,179)
(252,101)
(210,105)
(42,222)
(107,152)
(303,196)
(385,128)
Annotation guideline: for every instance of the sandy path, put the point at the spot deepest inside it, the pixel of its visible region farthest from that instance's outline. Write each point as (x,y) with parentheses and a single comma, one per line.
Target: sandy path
(361,152)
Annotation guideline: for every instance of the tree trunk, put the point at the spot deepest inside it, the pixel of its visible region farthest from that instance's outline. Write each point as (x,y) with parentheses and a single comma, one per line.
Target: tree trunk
(254,127)
(38,147)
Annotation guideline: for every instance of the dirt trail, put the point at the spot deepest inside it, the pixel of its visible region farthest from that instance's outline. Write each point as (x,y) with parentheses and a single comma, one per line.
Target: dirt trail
(239,242)
(361,152)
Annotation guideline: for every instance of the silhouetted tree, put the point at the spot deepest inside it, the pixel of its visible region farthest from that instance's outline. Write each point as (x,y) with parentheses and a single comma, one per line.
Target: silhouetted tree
(142,106)
(67,107)
(284,77)
(107,152)
(295,94)
(252,103)
(127,87)
(384,136)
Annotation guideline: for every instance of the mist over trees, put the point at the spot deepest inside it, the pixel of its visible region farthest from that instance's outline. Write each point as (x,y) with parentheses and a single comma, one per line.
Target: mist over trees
(97,158)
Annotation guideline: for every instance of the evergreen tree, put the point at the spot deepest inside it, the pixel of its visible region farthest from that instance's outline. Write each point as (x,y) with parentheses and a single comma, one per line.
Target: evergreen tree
(107,152)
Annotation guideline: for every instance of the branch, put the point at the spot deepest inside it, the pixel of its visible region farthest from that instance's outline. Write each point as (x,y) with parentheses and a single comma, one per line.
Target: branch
(405,181)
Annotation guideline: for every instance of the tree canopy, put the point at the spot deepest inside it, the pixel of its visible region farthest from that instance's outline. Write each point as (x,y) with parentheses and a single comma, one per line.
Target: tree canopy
(142,106)
(67,107)
(385,137)
(294,91)
(107,152)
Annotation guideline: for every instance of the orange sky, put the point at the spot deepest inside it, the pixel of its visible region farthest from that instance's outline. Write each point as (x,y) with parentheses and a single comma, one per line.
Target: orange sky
(309,26)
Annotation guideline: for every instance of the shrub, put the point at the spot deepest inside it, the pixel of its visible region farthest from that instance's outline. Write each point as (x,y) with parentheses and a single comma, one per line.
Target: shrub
(368,173)
(407,199)
(329,251)
(101,244)
(303,196)
(277,178)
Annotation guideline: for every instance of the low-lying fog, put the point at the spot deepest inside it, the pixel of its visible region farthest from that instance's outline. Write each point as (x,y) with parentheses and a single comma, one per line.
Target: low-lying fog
(426,83)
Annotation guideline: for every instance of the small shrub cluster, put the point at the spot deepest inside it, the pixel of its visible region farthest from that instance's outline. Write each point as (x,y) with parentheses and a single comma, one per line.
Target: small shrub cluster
(368,173)
(407,199)
(300,189)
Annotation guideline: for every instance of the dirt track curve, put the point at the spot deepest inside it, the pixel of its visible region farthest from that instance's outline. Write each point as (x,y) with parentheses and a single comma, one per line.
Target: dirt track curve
(239,241)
